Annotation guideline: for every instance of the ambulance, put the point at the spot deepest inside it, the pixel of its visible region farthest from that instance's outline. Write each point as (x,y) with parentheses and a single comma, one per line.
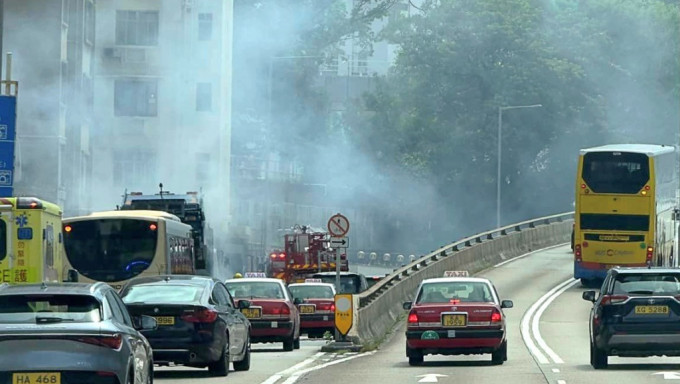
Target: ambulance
(31,249)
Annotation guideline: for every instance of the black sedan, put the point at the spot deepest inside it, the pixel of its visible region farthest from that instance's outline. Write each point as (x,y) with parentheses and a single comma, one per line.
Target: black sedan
(636,314)
(198,323)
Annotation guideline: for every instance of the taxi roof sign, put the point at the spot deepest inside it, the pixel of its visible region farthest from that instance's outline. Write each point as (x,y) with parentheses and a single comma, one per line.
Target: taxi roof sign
(313,281)
(254,274)
(456,274)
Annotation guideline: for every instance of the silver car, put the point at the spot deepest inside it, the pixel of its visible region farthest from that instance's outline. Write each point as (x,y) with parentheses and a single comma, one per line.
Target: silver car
(71,333)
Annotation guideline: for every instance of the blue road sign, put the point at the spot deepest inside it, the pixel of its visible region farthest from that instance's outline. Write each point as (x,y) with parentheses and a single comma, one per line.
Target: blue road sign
(8,117)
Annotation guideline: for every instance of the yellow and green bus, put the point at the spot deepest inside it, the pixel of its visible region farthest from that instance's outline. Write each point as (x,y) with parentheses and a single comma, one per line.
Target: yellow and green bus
(30,241)
(625,198)
(115,246)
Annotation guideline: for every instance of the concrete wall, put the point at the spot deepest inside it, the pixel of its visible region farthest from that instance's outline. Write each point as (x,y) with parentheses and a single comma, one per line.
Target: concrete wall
(377,310)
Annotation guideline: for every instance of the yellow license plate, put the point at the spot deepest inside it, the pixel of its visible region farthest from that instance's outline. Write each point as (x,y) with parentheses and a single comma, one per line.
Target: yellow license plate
(165,320)
(651,309)
(36,378)
(307,309)
(458,320)
(252,313)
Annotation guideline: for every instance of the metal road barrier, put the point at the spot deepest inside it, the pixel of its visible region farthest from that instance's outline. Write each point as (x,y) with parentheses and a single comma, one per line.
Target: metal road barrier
(380,306)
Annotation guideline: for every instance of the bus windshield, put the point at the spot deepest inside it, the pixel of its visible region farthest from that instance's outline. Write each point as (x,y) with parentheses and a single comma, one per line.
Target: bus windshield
(615,172)
(110,250)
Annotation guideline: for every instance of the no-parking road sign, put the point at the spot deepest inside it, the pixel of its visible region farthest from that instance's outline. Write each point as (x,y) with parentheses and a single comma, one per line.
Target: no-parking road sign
(338,225)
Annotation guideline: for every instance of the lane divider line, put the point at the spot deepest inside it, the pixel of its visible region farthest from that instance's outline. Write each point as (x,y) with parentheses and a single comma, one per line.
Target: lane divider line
(301,364)
(272,379)
(526,319)
(537,318)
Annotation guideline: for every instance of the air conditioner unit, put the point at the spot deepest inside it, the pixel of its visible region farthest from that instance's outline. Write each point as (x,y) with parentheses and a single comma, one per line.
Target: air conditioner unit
(112,52)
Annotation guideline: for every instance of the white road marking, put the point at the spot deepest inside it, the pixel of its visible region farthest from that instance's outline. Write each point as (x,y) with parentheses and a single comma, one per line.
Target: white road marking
(668,375)
(537,318)
(291,379)
(301,364)
(555,370)
(561,382)
(272,379)
(526,334)
(430,378)
(528,254)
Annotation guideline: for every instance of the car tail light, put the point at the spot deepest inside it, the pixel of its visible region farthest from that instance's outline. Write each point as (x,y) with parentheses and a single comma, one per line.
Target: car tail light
(496,317)
(577,252)
(413,318)
(110,341)
(281,310)
(106,373)
(332,307)
(613,299)
(204,315)
(326,307)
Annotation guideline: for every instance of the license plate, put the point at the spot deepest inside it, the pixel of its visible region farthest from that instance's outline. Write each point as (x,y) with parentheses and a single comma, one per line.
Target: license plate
(450,320)
(252,313)
(307,309)
(37,378)
(165,320)
(651,309)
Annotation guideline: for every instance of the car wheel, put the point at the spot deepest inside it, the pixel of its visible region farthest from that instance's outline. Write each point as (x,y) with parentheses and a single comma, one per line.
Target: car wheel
(296,343)
(288,344)
(221,366)
(501,354)
(131,377)
(244,364)
(149,379)
(415,357)
(598,357)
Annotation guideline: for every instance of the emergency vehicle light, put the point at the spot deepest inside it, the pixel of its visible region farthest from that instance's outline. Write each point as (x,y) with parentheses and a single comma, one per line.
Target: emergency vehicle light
(29,203)
(68,228)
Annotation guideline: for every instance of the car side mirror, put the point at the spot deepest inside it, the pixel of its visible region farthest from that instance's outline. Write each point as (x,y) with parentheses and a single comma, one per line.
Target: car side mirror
(589,296)
(506,304)
(297,301)
(243,304)
(407,305)
(144,323)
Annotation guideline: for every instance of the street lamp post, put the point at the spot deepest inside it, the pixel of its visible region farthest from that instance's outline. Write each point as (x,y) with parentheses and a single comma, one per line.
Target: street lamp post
(498,168)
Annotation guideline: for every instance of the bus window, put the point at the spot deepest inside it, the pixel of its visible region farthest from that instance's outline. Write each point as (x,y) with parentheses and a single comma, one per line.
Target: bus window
(3,240)
(615,172)
(111,250)
(49,246)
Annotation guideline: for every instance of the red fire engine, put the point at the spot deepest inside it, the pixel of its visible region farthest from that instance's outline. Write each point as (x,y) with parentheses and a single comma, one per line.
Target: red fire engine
(305,252)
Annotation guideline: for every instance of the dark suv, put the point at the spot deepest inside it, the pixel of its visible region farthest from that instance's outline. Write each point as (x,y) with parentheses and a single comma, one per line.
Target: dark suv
(636,314)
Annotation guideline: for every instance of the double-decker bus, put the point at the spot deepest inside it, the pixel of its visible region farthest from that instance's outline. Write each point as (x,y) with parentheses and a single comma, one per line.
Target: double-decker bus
(625,197)
(115,246)
(30,241)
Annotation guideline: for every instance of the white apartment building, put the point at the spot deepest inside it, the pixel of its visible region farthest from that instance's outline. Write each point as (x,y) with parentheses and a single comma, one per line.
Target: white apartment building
(163,100)
(52,46)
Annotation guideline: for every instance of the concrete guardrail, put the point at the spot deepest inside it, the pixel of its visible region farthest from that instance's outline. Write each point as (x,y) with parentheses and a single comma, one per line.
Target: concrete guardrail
(377,309)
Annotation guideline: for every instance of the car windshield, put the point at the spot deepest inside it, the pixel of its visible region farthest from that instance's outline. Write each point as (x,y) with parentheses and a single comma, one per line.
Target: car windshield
(49,309)
(452,292)
(256,290)
(661,283)
(311,291)
(163,294)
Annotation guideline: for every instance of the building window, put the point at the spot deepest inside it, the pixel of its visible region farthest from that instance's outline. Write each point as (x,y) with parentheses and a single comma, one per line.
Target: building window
(89,22)
(135,97)
(202,168)
(205,26)
(137,27)
(204,97)
(132,168)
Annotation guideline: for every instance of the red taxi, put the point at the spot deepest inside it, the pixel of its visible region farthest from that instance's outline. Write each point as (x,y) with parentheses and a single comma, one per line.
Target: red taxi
(317,309)
(457,315)
(273,313)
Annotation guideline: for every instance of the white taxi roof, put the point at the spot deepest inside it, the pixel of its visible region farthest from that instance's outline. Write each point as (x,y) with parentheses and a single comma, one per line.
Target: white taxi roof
(312,284)
(457,280)
(254,279)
